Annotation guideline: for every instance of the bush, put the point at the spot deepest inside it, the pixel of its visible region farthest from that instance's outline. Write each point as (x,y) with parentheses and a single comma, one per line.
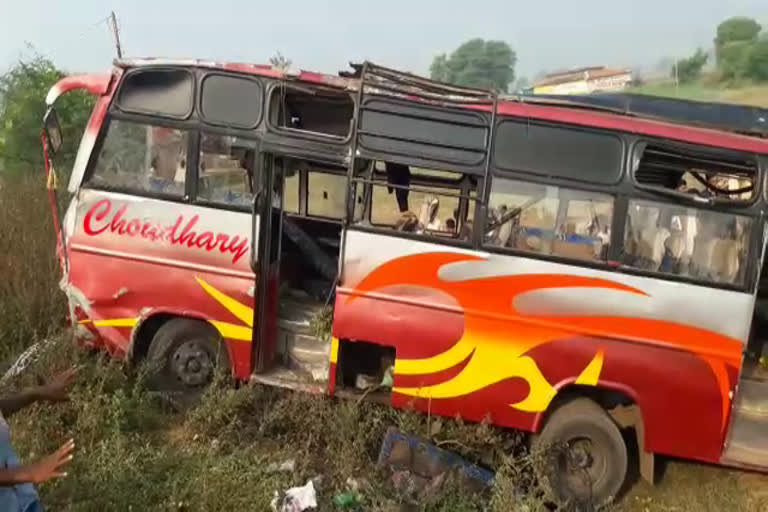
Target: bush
(689,70)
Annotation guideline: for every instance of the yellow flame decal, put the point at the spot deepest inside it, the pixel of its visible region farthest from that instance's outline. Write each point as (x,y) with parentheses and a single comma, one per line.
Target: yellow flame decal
(591,374)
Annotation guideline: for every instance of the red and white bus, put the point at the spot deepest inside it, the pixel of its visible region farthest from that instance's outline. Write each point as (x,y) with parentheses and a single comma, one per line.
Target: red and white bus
(571,267)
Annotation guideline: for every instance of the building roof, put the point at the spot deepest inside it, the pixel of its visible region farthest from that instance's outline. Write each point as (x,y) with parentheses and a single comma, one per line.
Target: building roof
(576,75)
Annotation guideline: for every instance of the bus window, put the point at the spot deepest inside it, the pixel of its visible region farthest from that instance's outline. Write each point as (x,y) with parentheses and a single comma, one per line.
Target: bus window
(412,199)
(326,194)
(291,192)
(549,220)
(225,174)
(140,158)
(685,241)
(697,171)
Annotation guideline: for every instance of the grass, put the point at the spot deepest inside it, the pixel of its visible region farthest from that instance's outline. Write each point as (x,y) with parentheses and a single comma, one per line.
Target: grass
(756,95)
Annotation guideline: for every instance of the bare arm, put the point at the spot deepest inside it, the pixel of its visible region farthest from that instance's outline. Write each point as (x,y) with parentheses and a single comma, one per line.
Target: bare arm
(14,403)
(40,471)
(55,390)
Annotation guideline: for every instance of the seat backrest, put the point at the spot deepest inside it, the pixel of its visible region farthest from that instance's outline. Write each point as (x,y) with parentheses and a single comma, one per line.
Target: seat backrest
(725,260)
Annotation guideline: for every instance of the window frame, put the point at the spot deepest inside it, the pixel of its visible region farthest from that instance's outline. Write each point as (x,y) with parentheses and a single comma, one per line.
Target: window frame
(369,181)
(193,173)
(189,128)
(200,94)
(639,145)
(117,104)
(608,264)
(306,135)
(534,175)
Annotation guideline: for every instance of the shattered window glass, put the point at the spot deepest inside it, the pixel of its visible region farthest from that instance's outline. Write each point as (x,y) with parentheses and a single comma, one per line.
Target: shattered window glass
(136,157)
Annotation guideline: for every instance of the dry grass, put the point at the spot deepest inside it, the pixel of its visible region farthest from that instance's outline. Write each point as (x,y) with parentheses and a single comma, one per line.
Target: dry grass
(31,306)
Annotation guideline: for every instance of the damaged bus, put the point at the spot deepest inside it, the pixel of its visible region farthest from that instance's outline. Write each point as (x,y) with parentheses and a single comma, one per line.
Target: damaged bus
(578,268)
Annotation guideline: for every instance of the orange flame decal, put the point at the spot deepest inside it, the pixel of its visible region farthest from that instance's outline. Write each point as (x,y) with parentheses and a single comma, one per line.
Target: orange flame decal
(501,337)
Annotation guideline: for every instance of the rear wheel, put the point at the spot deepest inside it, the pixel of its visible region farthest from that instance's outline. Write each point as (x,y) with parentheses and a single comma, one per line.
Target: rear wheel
(184,356)
(583,455)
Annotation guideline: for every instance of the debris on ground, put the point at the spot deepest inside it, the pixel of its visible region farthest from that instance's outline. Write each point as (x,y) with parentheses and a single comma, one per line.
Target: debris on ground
(352,498)
(288,466)
(24,360)
(420,468)
(296,499)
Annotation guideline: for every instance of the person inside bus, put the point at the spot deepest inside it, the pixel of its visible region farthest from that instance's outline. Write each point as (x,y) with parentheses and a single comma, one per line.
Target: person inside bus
(17,480)
(400,176)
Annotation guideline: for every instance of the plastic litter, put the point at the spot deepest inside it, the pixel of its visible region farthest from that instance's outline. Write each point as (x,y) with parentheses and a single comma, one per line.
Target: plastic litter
(284,467)
(296,499)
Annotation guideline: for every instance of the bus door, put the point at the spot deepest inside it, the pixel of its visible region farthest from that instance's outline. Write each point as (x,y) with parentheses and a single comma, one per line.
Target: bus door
(267,227)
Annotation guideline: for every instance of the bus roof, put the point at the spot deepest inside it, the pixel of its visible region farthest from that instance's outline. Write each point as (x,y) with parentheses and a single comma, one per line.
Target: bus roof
(716,124)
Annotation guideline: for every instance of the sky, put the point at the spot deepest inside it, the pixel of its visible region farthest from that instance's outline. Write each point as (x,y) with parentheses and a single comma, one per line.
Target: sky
(324,35)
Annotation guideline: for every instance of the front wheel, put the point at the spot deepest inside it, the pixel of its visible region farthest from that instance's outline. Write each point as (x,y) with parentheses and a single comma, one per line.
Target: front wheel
(184,356)
(583,455)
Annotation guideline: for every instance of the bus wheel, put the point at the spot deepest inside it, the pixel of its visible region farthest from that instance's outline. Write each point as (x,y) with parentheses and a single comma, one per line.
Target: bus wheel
(583,455)
(184,356)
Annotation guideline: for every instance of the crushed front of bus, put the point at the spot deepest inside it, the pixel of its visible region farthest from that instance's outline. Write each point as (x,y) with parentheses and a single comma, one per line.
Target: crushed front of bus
(102,86)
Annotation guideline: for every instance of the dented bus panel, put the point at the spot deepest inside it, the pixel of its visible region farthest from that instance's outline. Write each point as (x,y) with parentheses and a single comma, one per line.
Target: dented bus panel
(482,257)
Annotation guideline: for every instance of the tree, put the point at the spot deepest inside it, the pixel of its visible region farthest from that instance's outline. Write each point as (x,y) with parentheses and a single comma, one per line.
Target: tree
(22,106)
(738,28)
(477,63)
(756,66)
(689,70)
(733,58)
(733,43)
(521,84)
(280,63)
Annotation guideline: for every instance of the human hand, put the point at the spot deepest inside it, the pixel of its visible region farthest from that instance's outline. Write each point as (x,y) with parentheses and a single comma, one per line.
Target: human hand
(57,388)
(49,467)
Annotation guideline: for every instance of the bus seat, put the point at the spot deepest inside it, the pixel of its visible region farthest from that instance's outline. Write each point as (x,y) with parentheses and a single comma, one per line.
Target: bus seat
(703,258)
(533,240)
(650,246)
(725,259)
(575,245)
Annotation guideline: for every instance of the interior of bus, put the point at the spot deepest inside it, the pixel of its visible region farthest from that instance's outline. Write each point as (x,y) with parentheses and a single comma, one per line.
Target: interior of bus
(387,196)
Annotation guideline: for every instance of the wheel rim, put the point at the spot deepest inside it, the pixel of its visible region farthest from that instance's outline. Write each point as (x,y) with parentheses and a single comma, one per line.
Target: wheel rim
(192,364)
(582,464)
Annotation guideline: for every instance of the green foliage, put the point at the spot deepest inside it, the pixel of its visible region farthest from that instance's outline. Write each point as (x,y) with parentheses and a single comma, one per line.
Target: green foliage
(689,70)
(734,57)
(757,61)
(739,53)
(738,28)
(22,106)
(477,63)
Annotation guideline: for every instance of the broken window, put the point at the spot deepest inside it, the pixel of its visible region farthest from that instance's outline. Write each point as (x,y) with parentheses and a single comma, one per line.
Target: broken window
(226,167)
(425,201)
(683,241)
(136,157)
(550,220)
(315,110)
(700,172)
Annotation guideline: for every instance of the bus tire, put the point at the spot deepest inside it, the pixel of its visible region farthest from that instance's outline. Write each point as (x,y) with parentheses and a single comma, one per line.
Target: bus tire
(581,454)
(184,356)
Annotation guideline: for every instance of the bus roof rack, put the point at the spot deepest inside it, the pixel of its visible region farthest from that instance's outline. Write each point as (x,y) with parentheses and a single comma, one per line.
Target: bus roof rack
(744,119)
(391,81)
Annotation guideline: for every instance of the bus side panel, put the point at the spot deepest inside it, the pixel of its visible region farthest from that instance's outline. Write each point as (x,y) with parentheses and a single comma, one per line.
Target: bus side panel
(134,257)
(480,335)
